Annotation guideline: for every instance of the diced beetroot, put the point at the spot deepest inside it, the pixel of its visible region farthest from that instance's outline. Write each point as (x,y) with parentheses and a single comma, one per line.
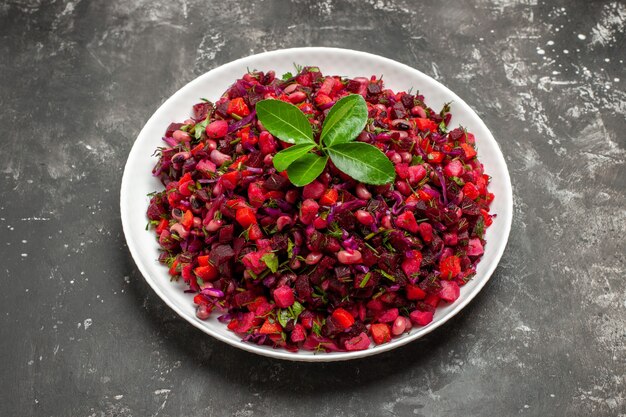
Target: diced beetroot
(450,239)
(407,221)
(360,342)
(283,296)
(244,324)
(421,318)
(314,190)
(298,334)
(388,316)
(475,247)
(411,263)
(450,291)
(403,171)
(308,211)
(426,230)
(416,174)
(454,168)
(256,196)
(267,143)
(375,305)
(314,342)
(253,262)
(432,300)
(206,167)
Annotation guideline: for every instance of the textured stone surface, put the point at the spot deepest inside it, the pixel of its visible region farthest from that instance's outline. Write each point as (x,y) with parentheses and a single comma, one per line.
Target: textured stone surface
(81,333)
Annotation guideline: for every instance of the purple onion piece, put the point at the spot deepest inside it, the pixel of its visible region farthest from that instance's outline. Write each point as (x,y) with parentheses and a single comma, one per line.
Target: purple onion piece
(241,123)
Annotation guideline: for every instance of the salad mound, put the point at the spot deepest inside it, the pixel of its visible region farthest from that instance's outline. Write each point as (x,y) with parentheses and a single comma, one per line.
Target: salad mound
(337,263)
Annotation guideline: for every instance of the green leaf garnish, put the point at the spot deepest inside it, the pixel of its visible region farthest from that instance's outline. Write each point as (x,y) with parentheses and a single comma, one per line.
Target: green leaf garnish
(305,161)
(285,121)
(345,120)
(271,261)
(363,162)
(305,169)
(286,157)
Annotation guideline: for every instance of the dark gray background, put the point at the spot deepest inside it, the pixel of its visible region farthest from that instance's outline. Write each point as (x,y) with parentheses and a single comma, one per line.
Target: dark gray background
(81,334)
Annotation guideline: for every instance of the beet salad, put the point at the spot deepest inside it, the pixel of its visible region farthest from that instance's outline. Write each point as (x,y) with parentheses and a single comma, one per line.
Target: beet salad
(319,212)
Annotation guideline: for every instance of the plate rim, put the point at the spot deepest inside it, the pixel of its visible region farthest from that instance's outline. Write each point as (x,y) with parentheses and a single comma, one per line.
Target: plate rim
(506,217)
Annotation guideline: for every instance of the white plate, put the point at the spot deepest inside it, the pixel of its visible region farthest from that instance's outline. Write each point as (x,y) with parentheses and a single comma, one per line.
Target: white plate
(138,181)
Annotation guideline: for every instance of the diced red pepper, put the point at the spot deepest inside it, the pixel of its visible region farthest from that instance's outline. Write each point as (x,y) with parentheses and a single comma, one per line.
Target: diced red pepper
(425,124)
(206,273)
(187,220)
(450,267)
(330,197)
(435,157)
(238,106)
(468,150)
(423,195)
(199,147)
(163,224)
(322,100)
(199,299)
(381,333)
(203,260)
(486,217)
(343,318)
(236,203)
(470,191)
(260,300)
(275,194)
(255,232)
(407,221)
(270,328)
(185,178)
(174,270)
(230,179)
(245,217)
(413,292)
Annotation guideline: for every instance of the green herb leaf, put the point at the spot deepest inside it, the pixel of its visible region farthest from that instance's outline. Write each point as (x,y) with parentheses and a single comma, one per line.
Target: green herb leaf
(386,275)
(200,127)
(285,121)
(305,169)
(283,317)
(316,328)
(271,261)
(287,76)
(365,280)
(286,157)
(290,246)
(363,162)
(296,309)
(345,120)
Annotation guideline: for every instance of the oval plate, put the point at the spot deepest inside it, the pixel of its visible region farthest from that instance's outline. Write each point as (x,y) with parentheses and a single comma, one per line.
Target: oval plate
(137,181)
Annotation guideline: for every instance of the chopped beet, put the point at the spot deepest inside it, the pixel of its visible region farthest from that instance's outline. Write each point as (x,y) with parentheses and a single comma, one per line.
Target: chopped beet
(335,264)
